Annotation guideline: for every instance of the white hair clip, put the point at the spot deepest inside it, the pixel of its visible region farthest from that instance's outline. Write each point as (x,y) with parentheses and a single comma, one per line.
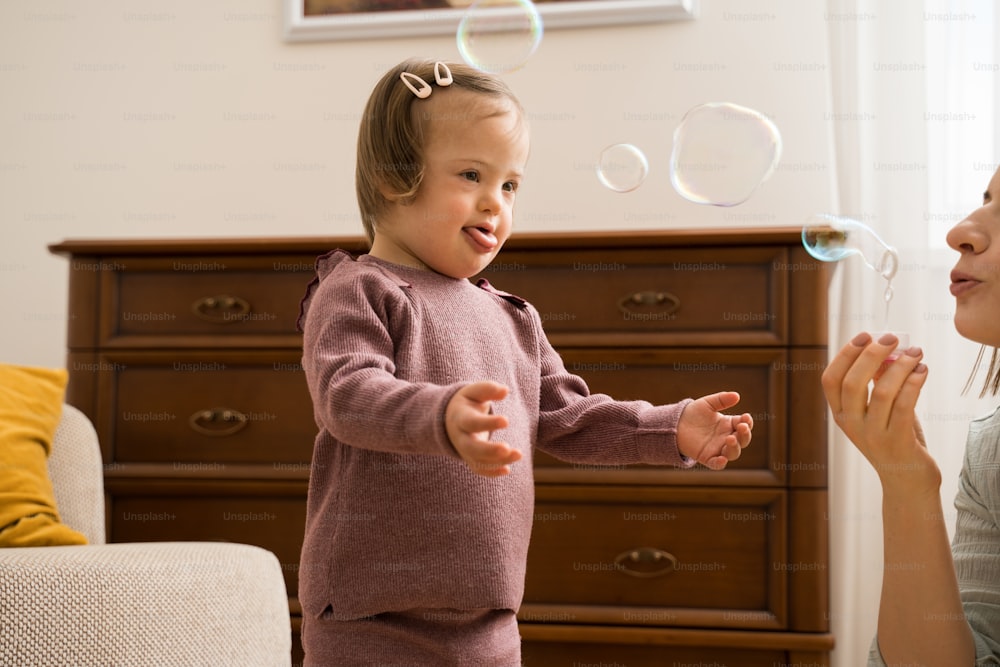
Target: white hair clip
(422,89)
(442,79)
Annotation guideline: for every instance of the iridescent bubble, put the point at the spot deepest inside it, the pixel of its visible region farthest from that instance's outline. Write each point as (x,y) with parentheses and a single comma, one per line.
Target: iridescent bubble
(622,167)
(499,36)
(830,238)
(722,153)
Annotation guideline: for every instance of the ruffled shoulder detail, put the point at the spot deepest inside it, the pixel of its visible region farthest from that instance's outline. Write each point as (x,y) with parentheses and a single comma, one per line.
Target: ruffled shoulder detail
(484,285)
(324,266)
(328,263)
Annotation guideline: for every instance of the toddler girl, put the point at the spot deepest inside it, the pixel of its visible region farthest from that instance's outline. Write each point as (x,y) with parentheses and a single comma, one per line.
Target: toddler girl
(431,392)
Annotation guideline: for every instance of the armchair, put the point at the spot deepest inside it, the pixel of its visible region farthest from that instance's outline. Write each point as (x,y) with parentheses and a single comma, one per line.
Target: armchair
(159,604)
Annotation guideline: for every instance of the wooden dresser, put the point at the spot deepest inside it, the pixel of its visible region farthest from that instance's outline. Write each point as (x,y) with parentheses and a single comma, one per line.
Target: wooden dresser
(185,356)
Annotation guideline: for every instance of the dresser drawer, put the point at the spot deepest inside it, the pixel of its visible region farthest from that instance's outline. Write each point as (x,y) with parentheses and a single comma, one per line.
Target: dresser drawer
(587,654)
(234,300)
(223,407)
(274,523)
(602,646)
(704,296)
(658,556)
(663,376)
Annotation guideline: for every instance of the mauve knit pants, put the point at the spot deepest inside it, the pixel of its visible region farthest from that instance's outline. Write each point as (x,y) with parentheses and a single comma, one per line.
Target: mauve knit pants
(415,638)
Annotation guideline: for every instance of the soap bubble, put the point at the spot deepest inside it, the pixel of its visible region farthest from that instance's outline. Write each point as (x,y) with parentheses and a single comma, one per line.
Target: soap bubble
(830,238)
(622,167)
(722,153)
(498,36)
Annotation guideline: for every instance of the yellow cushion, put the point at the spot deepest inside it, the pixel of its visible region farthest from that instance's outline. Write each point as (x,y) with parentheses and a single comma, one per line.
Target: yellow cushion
(31,402)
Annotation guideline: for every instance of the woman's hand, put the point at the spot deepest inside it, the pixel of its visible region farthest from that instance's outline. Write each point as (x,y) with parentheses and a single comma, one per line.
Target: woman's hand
(881,422)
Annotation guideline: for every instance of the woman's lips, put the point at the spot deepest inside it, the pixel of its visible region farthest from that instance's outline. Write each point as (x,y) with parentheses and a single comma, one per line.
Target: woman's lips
(962,283)
(482,238)
(962,286)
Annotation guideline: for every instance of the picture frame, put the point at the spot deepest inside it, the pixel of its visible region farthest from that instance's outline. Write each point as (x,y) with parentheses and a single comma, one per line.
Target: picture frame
(300,27)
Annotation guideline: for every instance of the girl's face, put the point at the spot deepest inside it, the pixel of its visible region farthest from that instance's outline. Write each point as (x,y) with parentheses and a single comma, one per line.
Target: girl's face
(475,150)
(975,280)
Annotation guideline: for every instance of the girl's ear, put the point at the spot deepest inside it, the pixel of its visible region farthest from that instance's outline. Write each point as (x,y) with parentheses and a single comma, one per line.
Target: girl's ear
(393,196)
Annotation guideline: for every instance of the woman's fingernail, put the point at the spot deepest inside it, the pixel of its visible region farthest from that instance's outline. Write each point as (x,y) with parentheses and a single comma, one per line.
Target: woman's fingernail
(887,339)
(914,351)
(920,368)
(861,339)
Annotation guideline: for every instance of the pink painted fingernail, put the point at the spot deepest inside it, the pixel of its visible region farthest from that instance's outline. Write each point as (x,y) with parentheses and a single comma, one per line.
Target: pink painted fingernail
(861,339)
(914,351)
(887,339)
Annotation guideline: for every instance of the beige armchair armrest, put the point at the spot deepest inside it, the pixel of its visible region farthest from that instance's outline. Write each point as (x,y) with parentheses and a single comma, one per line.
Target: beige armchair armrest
(158,604)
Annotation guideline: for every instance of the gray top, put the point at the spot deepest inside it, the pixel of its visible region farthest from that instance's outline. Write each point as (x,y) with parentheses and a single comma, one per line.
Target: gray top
(976,547)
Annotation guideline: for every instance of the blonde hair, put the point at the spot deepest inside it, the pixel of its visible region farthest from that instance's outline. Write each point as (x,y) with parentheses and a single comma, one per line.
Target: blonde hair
(391,134)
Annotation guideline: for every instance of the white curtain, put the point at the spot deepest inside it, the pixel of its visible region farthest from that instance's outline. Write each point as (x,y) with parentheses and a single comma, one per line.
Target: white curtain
(914,90)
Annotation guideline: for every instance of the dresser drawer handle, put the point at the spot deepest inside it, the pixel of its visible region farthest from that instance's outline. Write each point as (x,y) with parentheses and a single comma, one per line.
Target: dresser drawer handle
(646,556)
(222,309)
(664,302)
(218,422)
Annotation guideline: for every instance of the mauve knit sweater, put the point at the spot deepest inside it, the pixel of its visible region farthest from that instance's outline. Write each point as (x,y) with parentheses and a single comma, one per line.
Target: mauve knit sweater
(395,520)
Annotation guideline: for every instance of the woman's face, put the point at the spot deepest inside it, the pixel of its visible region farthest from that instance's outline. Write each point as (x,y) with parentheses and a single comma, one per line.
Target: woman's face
(975,280)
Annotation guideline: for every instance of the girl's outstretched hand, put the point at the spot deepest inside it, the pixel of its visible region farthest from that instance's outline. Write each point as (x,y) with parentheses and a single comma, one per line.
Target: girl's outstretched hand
(710,437)
(881,421)
(469,421)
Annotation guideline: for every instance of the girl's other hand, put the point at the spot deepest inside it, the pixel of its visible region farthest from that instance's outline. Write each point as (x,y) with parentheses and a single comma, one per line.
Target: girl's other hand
(711,438)
(469,421)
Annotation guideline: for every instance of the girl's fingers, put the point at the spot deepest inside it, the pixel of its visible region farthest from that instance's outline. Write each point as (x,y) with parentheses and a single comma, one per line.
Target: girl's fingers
(743,434)
(480,423)
(722,400)
(492,452)
(484,391)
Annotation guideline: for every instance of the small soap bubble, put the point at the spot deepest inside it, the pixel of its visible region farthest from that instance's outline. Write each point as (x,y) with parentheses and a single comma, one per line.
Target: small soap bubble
(622,167)
(722,153)
(499,36)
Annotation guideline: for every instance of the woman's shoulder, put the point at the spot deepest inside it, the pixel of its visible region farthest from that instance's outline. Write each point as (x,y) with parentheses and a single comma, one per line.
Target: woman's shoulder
(983,447)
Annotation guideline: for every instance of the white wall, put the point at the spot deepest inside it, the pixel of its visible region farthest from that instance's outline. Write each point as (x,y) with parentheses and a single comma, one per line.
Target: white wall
(130,118)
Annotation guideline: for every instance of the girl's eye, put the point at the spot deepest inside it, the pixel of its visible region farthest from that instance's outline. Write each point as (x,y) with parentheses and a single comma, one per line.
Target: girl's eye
(470,175)
(510,186)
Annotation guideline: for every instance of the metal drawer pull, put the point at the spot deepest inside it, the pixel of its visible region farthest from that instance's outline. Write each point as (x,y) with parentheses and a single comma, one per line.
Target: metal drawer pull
(662,301)
(218,422)
(222,309)
(646,556)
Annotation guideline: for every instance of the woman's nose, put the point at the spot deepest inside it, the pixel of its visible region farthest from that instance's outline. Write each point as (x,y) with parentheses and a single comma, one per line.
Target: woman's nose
(968,235)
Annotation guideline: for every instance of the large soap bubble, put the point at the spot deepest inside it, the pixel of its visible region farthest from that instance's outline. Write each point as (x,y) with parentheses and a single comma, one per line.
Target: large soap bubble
(499,36)
(722,153)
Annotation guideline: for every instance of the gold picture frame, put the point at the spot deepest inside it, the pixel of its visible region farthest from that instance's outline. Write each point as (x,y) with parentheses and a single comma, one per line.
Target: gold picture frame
(322,20)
